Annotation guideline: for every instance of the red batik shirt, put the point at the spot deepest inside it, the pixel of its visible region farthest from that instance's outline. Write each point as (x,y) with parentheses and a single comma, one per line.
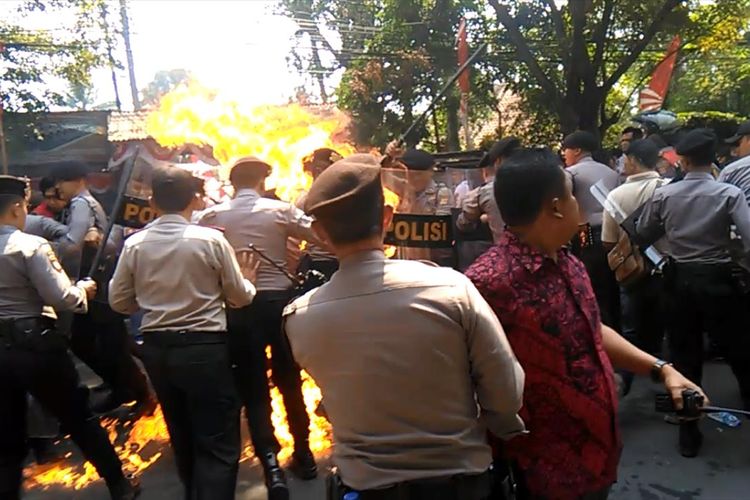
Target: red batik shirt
(550,315)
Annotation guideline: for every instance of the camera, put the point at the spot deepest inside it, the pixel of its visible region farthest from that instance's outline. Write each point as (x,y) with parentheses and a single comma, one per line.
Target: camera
(692,404)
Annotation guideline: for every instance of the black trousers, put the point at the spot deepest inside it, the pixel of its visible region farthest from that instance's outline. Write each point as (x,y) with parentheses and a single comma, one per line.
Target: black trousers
(42,367)
(192,378)
(593,255)
(101,340)
(705,298)
(643,314)
(251,330)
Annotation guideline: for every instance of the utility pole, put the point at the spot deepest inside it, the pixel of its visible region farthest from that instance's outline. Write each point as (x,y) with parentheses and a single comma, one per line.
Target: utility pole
(108,39)
(129,53)
(3,152)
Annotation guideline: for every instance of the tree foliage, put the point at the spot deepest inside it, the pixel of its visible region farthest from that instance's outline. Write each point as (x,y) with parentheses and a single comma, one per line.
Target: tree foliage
(575,64)
(163,82)
(38,66)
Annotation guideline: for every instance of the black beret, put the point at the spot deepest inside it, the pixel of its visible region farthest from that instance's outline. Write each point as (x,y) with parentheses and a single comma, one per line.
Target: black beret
(343,186)
(645,151)
(581,139)
(13,186)
(251,163)
(701,141)
(173,182)
(70,171)
(501,149)
(416,159)
(742,131)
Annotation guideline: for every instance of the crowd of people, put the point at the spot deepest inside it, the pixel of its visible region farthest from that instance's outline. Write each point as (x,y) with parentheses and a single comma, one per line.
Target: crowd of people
(491,383)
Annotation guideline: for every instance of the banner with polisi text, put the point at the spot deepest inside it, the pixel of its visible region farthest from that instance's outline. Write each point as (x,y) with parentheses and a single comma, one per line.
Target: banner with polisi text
(135,213)
(420,231)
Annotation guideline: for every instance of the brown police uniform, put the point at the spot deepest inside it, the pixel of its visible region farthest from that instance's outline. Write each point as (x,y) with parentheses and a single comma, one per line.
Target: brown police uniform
(403,352)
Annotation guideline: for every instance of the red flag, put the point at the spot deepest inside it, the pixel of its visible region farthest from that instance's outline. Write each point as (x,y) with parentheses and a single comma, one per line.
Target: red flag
(463,56)
(652,97)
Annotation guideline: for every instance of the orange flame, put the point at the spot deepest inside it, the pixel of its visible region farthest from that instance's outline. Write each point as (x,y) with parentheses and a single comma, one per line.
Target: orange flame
(132,453)
(280,135)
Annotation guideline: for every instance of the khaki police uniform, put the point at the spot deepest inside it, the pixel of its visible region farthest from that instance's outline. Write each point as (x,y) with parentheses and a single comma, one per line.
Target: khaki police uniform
(34,359)
(181,275)
(268,225)
(695,215)
(408,357)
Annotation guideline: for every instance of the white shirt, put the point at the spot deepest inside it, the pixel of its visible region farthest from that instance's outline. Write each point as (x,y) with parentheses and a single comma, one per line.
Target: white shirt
(180,274)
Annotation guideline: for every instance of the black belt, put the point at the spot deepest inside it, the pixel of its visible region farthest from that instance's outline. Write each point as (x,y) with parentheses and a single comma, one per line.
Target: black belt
(18,330)
(459,487)
(179,338)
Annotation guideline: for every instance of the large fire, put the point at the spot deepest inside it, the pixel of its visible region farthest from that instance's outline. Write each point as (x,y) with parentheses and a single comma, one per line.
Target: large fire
(281,135)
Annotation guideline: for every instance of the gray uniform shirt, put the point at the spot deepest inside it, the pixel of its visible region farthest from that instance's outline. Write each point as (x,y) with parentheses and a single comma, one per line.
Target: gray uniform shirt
(481,201)
(180,274)
(695,214)
(585,174)
(44,227)
(738,174)
(265,223)
(84,213)
(407,356)
(33,279)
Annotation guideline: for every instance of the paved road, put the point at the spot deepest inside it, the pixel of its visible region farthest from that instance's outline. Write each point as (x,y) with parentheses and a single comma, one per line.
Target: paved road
(650,469)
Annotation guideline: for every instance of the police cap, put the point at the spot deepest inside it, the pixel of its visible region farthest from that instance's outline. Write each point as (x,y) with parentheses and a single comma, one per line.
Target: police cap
(742,131)
(13,186)
(416,159)
(582,140)
(699,142)
(251,163)
(502,148)
(346,186)
(70,171)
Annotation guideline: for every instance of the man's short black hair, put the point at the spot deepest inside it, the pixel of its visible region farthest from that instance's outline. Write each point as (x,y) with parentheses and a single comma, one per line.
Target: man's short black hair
(645,152)
(526,180)
(172,188)
(8,200)
(636,131)
(46,183)
(583,140)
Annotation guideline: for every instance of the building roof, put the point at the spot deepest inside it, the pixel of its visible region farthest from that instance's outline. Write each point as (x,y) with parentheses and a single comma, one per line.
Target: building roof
(127,126)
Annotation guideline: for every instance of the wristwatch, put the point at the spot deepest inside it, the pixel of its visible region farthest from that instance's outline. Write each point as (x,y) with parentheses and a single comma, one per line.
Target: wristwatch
(657,369)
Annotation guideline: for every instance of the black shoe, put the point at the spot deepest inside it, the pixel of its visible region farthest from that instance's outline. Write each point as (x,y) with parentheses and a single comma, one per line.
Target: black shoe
(103,402)
(303,464)
(691,439)
(45,451)
(275,477)
(128,488)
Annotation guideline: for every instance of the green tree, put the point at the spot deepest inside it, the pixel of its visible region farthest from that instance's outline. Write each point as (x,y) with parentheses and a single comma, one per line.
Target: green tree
(163,82)
(38,63)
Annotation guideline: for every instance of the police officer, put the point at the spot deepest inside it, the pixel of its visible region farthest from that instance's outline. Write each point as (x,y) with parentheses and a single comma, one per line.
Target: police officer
(181,275)
(267,224)
(738,172)
(695,215)
(479,205)
(316,257)
(100,337)
(587,246)
(33,354)
(424,196)
(403,352)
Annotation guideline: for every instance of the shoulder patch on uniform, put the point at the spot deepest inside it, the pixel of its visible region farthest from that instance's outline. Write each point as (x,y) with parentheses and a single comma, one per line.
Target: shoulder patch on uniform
(289,310)
(53,258)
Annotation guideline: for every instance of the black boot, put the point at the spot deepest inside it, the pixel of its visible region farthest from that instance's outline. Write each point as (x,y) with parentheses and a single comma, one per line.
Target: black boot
(275,478)
(126,488)
(303,463)
(691,439)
